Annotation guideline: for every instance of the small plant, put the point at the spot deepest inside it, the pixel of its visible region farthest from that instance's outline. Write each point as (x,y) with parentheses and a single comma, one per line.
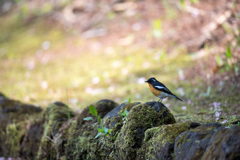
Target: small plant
(101,130)
(219,60)
(128,101)
(230,60)
(124,114)
(57,142)
(93,111)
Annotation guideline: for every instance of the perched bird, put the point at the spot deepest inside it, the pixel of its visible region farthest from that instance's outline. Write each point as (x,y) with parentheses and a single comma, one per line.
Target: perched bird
(159,89)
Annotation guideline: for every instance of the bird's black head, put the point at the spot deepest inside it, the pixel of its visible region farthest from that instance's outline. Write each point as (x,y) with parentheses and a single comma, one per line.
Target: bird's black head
(151,80)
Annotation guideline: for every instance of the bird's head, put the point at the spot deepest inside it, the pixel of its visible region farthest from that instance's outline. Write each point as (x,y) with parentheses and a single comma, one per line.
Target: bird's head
(151,80)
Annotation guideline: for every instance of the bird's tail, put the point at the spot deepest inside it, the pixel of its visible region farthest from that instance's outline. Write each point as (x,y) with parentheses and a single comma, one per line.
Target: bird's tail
(176,97)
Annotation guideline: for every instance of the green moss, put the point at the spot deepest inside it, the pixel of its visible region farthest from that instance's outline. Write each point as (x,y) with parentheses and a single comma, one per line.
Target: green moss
(140,118)
(12,138)
(181,139)
(54,117)
(156,138)
(128,106)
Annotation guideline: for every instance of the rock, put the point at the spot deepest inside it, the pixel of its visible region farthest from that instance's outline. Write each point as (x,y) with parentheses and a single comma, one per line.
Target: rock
(224,144)
(159,141)
(15,121)
(53,118)
(60,104)
(13,106)
(192,144)
(2,95)
(113,117)
(194,125)
(156,105)
(140,118)
(82,134)
(115,111)
(126,136)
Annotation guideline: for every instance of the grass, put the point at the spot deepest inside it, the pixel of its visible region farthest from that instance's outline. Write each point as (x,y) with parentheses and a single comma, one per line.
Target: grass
(79,72)
(60,73)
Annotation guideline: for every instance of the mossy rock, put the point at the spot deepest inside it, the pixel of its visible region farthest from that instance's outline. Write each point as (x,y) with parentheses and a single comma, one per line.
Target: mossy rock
(2,95)
(114,118)
(11,139)
(159,141)
(225,143)
(124,106)
(140,118)
(192,144)
(81,142)
(16,118)
(54,117)
(103,107)
(12,111)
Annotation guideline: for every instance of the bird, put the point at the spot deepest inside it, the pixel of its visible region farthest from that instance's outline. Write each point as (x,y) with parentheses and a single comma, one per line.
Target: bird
(159,89)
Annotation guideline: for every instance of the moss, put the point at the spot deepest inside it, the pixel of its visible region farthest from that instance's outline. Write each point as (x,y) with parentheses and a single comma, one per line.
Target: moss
(181,140)
(80,139)
(156,139)
(16,119)
(15,111)
(128,106)
(140,118)
(54,116)
(12,138)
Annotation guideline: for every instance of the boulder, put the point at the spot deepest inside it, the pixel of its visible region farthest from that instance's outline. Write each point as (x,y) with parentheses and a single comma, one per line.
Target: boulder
(81,134)
(53,117)
(115,112)
(140,118)
(159,141)
(113,117)
(15,121)
(192,144)
(224,144)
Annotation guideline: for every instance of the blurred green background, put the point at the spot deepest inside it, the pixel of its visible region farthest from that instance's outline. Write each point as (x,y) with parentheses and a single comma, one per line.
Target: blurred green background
(81,51)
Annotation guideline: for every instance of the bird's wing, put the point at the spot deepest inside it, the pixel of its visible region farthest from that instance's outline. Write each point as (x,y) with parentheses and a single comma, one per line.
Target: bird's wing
(162,88)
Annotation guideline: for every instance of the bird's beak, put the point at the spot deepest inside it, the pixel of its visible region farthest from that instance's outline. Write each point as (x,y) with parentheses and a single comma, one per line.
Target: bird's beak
(146,81)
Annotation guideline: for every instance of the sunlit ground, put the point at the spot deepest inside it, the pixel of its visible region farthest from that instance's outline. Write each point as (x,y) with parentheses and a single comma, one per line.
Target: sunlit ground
(38,66)
(41,63)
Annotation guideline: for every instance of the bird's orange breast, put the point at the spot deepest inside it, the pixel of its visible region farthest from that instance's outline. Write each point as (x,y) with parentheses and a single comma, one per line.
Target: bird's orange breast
(154,91)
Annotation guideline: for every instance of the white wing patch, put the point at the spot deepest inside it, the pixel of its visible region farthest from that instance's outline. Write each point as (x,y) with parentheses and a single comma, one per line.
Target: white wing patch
(160,87)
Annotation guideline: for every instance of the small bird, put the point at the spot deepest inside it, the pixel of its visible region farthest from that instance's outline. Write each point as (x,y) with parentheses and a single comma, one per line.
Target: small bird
(159,89)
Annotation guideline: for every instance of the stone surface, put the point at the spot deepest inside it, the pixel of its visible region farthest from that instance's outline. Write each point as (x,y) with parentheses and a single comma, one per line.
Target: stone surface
(224,144)
(192,144)
(113,117)
(15,121)
(115,111)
